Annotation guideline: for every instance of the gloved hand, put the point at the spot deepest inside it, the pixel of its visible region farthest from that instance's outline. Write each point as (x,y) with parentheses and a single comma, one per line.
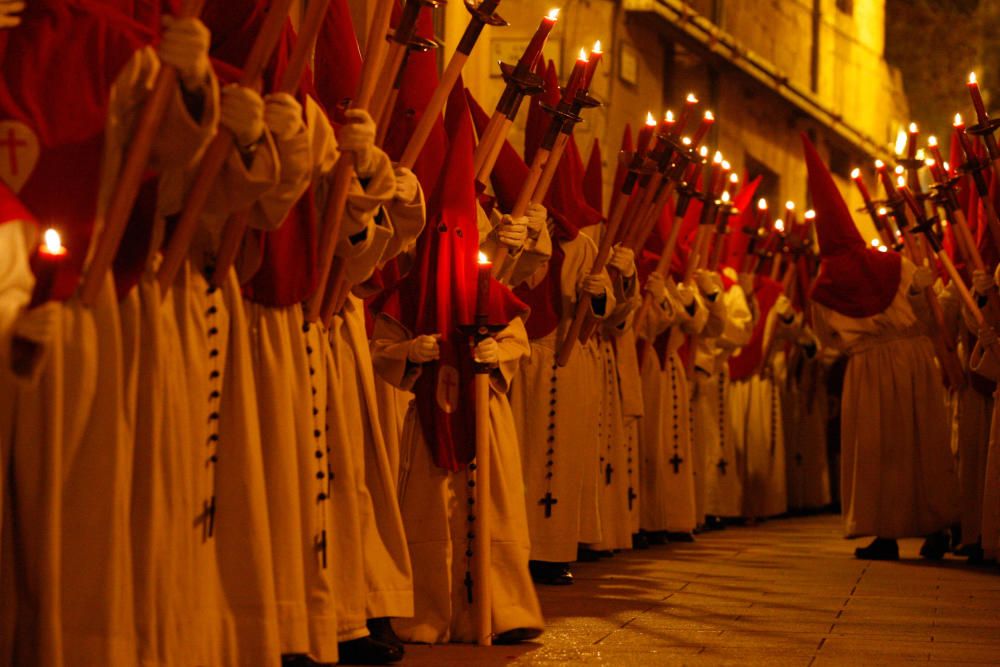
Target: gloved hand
(10,13)
(623,260)
(487,352)
(283,115)
(987,336)
(784,308)
(923,278)
(537,215)
(983,283)
(709,282)
(358,136)
(746,281)
(184,45)
(38,323)
(594,286)
(241,111)
(656,285)
(685,295)
(512,232)
(423,349)
(407,185)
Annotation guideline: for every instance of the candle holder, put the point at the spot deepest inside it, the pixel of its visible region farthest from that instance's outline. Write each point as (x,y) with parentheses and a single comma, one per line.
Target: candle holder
(484,14)
(986,130)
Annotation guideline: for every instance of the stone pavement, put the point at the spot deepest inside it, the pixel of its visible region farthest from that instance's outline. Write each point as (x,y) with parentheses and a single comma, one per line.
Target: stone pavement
(786,592)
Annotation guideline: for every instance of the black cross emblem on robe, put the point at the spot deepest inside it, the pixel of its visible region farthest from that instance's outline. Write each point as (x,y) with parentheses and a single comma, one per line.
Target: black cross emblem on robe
(321,546)
(721,465)
(798,458)
(608,470)
(676,463)
(631,497)
(548,501)
(207,518)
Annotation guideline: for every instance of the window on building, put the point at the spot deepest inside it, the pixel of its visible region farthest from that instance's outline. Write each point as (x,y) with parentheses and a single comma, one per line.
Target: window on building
(840,162)
(770,182)
(846,6)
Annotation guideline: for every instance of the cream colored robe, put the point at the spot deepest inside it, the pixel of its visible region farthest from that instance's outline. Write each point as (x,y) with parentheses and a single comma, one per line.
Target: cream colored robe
(554,409)
(899,478)
(805,412)
(667,472)
(723,458)
(433,503)
(72,452)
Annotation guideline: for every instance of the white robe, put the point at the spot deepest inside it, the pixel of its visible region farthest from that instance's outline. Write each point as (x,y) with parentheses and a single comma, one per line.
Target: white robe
(433,503)
(805,413)
(898,475)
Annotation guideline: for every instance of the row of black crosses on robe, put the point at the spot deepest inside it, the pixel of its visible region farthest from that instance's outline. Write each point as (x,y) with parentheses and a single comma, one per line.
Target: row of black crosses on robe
(676,460)
(609,470)
(213,337)
(470,535)
(324,471)
(723,463)
(550,447)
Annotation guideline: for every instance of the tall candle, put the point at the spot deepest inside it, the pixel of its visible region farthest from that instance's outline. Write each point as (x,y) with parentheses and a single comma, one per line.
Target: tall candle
(646,134)
(690,102)
(592,62)
(575,78)
(862,188)
(45,264)
(706,125)
(483,278)
(911,141)
(534,49)
(977,99)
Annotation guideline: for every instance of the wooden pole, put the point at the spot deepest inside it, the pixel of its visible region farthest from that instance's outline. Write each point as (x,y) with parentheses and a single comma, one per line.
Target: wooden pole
(236,225)
(423,130)
(484,527)
(130,177)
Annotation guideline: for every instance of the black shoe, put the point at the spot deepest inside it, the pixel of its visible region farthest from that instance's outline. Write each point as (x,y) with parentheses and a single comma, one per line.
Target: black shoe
(550,574)
(381,630)
(658,538)
(640,541)
(680,537)
(517,636)
(935,546)
(880,549)
(714,523)
(368,651)
(587,555)
(299,660)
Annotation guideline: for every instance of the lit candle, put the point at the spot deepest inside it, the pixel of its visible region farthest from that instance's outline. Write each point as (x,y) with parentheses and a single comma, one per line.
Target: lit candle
(714,173)
(911,202)
(779,226)
(693,169)
(646,134)
(534,49)
(911,141)
(963,139)
(730,190)
(932,146)
(977,100)
(790,213)
(576,78)
(883,173)
(45,264)
(761,213)
(706,125)
(862,188)
(690,102)
(667,124)
(483,289)
(592,62)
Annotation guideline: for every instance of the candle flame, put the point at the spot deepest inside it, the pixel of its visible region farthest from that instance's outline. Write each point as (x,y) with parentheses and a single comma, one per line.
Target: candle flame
(650,119)
(876,243)
(947,167)
(882,248)
(733,178)
(703,151)
(958,120)
(726,166)
(53,243)
(882,210)
(597,48)
(717,158)
(669,117)
(855,173)
(913,128)
(879,165)
(930,162)
(583,55)
(901,138)
(921,154)
(762,204)
(789,205)
(725,197)
(810,214)
(691,99)
(709,116)
(779,225)
(972,78)
(899,170)
(686,141)
(901,181)
(483,259)
(553,14)
(932,141)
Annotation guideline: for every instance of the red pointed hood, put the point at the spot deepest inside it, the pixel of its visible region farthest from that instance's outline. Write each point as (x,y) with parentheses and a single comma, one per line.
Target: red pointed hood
(538,119)
(510,172)
(566,202)
(337,60)
(854,280)
(439,295)
(593,178)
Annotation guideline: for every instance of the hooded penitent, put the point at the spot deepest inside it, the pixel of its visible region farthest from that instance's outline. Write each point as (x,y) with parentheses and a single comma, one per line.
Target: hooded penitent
(439,296)
(854,280)
(593,178)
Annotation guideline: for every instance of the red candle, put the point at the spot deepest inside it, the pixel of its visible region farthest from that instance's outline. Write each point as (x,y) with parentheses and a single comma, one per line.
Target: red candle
(883,173)
(761,213)
(731,183)
(908,198)
(592,62)
(689,104)
(963,139)
(714,173)
(935,150)
(575,78)
(790,219)
(911,141)
(862,188)
(45,264)
(977,100)
(694,169)
(484,277)
(534,49)
(706,125)
(668,124)
(646,134)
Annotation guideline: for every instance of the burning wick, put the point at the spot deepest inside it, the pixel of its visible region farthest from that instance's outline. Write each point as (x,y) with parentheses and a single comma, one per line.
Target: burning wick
(691,99)
(483,259)
(553,14)
(810,214)
(779,225)
(52,244)
(650,119)
(855,173)
(717,158)
(762,204)
(789,205)
(725,197)
(882,248)
(875,243)
(597,47)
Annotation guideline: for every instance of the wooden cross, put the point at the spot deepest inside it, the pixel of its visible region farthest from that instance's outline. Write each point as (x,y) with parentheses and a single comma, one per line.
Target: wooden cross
(12,142)
(548,501)
(721,465)
(676,463)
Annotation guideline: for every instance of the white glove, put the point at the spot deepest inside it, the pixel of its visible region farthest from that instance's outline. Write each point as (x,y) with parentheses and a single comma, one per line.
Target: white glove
(987,336)
(656,285)
(784,308)
(283,115)
(923,278)
(746,281)
(512,232)
(241,111)
(708,282)
(594,286)
(10,11)
(623,259)
(184,46)
(37,324)
(487,352)
(423,349)
(358,136)
(685,295)
(537,215)
(983,282)
(407,185)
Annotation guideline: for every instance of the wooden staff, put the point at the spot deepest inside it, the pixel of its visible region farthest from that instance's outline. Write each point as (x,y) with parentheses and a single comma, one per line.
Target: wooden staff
(291,79)
(975,167)
(219,150)
(392,63)
(483,558)
(662,268)
(133,167)
(343,171)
